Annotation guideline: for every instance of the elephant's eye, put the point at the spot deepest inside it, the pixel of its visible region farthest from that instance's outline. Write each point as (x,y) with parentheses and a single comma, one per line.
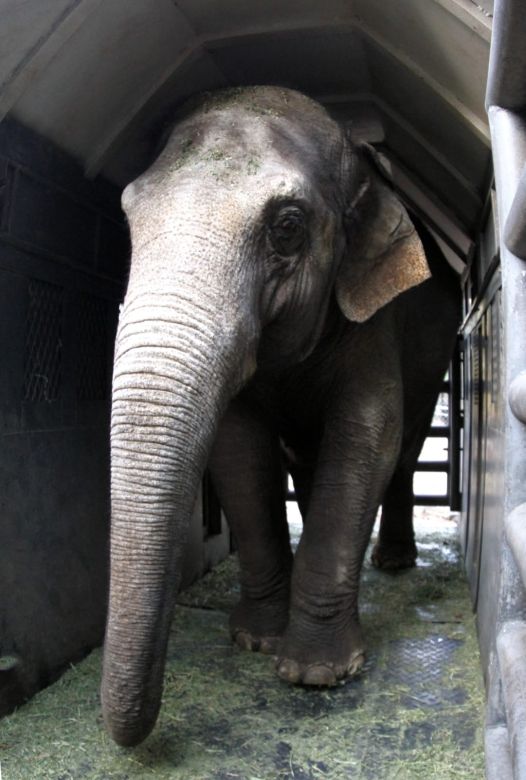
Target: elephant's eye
(288,231)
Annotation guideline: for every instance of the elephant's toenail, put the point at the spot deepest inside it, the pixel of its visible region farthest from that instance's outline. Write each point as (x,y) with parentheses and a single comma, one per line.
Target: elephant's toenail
(269,645)
(356,662)
(319,674)
(245,640)
(289,671)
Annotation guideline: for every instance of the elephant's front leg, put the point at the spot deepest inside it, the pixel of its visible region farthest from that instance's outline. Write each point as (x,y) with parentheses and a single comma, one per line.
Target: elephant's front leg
(248,475)
(323,642)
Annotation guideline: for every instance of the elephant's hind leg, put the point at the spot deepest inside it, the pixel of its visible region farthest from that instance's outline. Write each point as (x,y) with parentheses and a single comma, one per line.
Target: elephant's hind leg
(247,471)
(396,547)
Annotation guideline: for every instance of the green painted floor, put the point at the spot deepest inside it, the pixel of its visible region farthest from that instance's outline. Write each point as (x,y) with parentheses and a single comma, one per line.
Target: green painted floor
(415,712)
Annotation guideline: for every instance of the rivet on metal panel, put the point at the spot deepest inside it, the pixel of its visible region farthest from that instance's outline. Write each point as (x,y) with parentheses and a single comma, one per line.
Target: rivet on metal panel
(517,396)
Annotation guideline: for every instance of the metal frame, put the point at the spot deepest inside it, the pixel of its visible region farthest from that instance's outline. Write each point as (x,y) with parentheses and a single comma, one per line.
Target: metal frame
(451,431)
(506,101)
(515,230)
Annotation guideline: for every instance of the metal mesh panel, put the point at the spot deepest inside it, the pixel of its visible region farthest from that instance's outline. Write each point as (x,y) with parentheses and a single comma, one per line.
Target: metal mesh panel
(3,189)
(44,345)
(92,339)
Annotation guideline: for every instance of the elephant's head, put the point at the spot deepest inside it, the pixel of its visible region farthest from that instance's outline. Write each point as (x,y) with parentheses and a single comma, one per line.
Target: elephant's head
(257,210)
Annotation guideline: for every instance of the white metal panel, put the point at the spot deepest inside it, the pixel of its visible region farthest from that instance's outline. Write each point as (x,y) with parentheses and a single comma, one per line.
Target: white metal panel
(318,61)
(100,77)
(30,36)
(449,52)
(212,20)
(95,82)
(30,24)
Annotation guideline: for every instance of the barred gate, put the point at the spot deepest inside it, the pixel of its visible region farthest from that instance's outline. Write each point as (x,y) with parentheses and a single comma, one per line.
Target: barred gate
(446,432)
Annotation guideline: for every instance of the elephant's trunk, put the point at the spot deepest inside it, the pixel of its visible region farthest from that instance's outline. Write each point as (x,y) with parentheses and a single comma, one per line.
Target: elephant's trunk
(177,365)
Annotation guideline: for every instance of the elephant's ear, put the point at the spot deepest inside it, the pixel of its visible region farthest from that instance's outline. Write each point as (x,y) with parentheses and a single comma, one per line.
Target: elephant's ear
(384,255)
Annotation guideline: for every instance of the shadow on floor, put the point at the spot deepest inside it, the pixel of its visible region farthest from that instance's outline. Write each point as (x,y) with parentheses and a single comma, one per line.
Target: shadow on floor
(415,711)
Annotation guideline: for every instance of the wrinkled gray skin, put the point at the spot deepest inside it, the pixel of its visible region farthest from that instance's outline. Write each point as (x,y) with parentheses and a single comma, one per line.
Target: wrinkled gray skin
(277,303)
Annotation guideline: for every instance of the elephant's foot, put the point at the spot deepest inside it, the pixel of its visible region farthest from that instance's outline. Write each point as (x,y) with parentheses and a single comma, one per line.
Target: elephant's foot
(258,626)
(392,556)
(324,663)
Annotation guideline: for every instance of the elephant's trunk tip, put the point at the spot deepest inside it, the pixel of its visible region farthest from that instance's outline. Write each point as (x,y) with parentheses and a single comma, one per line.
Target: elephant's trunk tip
(127,735)
(128,729)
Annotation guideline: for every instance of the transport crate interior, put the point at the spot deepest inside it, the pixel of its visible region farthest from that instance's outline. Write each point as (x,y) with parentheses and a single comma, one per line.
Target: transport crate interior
(421,103)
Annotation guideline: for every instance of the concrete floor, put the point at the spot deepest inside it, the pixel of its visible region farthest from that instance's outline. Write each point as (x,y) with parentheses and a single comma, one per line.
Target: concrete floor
(415,712)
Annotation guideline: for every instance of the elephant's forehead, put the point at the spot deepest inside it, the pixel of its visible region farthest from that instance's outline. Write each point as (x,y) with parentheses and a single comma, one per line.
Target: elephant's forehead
(194,202)
(239,148)
(239,152)
(221,178)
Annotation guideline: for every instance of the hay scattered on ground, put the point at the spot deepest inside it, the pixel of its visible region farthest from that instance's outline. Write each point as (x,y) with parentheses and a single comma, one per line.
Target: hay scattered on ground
(415,711)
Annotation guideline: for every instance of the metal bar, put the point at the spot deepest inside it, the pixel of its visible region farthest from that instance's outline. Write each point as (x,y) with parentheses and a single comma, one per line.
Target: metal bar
(515,527)
(420,500)
(455,426)
(515,228)
(517,397)
(478,307)
(433,465)
(509,154)
(511,650)
(431,501)
(439,431)
(506,83)
(497,752)
(506,100)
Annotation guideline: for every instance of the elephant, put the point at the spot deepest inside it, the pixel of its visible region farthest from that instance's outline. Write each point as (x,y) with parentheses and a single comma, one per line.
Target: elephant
(281,308)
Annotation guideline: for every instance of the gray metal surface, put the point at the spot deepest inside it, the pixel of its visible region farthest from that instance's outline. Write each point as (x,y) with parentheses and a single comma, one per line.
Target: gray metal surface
(98,78)
(515,527)
(504,613)
(511,649)
(498,759)
(517,396)
(515,231)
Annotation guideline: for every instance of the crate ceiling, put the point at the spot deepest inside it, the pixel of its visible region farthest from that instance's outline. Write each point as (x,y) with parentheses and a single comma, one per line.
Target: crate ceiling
(100,77)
